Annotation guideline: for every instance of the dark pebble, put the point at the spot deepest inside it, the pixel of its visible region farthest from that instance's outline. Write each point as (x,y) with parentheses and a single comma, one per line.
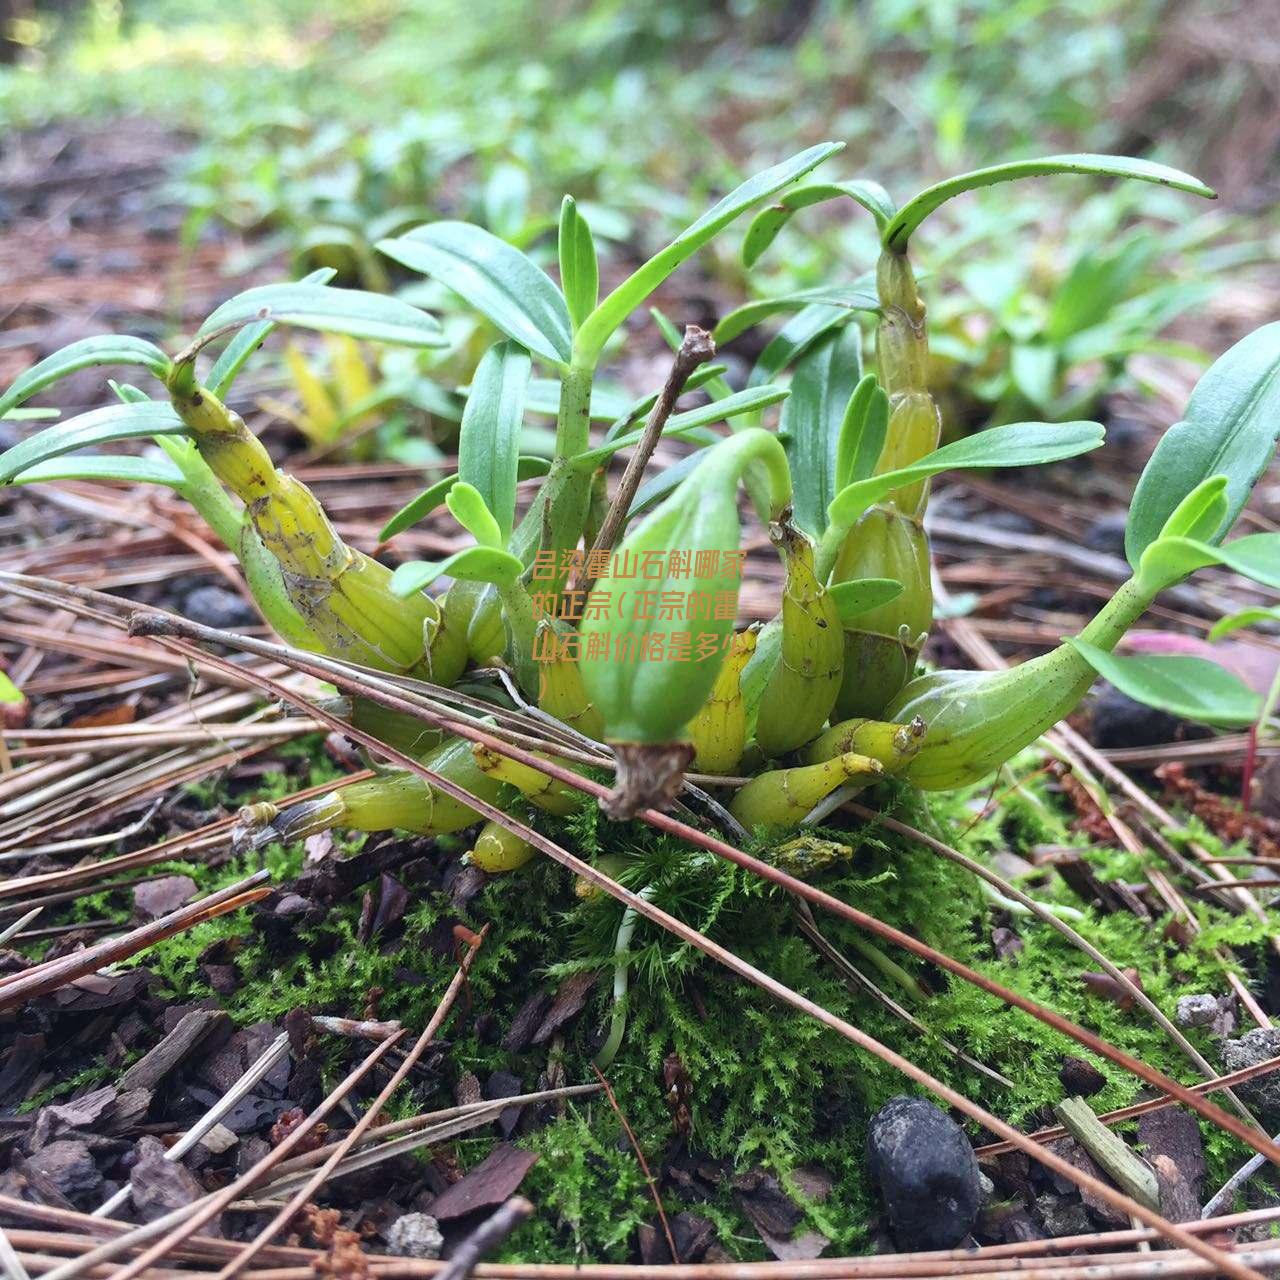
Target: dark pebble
(219,608)
(1116,720)
(65,261)
(1106,534)
(927,1172)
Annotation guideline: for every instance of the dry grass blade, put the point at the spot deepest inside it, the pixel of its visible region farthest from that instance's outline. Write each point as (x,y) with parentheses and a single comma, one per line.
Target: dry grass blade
(1054,1132)
(429,1126)
(362,1126)
(49,976)
(216,834)
(1218,1259)
(274,1053)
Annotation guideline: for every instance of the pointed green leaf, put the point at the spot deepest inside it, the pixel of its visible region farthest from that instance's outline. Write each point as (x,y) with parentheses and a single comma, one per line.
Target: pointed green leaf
(493,277)
(795,338)
(1238,621)
(489,440)
(33,415)
(657,486)
(858,296)
(904,223)
(860,595)
(474,564)
(862,434)
(601,323)
(85,354)
(1020,444)
(750,400)
(1192,688)
(103,466)
(1201,513)
(244,342)
(429,499)
(101,426)
(1231,426)
(354,312)
(768,222)
(579,271)
(822,387)
(470,511)
(637,409)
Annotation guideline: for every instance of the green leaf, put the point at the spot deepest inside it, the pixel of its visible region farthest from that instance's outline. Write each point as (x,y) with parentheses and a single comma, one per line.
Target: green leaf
(1238,621)
(750,400)
(101,426)
(489,440)
(471,512)
(85,354)
(858,296)
(902,226)
(1230,428)
(473,564)
(768,222)
(601,323)
(429,499)
(9,692)
(1191,688)
(862,433)
(637,409)
(822,388)
(244,342)
(354,312)
(861,595)
(103,466)
(1200,514)
(657,486)
(1033,368)
(579,271)
(1169,560)
(34,415)
(1256,556)
(493,277)
(795,338)
(1020,444)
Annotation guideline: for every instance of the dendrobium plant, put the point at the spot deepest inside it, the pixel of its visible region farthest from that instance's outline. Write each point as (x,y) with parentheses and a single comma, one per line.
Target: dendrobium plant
(616,614)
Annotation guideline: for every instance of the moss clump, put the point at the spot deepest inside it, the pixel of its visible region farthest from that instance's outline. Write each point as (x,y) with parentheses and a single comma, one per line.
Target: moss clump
(768,1087)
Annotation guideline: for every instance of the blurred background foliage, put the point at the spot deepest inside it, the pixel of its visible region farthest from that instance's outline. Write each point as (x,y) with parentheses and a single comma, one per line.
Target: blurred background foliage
(314,127)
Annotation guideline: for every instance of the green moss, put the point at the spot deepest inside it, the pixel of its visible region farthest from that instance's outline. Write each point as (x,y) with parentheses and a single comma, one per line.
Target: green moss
(770,1087)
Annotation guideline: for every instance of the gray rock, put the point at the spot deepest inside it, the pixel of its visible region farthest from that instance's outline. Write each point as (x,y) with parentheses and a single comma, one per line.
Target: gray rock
(1116,720)
(415,1235)
(927,1172)
(218,607)
(1250,1049)
(1063,1215)
(160,1185)
(70,1168)
(1196,1011)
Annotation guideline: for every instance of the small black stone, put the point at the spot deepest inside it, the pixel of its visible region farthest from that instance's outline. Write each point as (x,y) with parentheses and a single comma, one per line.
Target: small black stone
(219,608)
(1106,534)
(65,261)
(927,1172)
(1116,720)
(1080,1078)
